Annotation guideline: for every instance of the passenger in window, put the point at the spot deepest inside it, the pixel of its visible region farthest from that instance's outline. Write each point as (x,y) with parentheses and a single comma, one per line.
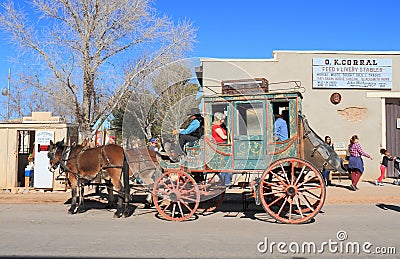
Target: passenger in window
(192,133)
(218,128)
(219,135)
(280,128)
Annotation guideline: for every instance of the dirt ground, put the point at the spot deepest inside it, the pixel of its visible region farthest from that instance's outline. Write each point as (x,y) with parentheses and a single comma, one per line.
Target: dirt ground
(338,194)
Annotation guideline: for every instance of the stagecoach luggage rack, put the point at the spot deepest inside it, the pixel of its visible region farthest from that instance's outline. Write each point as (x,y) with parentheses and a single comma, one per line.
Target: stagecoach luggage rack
(245,86)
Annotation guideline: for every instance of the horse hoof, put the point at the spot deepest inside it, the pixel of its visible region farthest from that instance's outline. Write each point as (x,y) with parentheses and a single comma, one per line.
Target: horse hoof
(117,215)
(71,212)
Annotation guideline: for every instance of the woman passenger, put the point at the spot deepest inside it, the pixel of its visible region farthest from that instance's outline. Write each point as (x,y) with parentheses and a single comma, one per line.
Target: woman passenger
(219,135)
(218,132)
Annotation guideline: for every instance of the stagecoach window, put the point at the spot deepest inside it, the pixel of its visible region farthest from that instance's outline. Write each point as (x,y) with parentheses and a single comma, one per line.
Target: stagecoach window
(282,108)
(250,119)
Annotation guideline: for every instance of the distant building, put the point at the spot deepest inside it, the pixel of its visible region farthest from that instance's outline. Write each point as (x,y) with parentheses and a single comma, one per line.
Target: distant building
(27,138)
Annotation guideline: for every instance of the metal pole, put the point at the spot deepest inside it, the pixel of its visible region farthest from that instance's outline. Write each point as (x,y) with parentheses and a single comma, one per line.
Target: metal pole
(9,93)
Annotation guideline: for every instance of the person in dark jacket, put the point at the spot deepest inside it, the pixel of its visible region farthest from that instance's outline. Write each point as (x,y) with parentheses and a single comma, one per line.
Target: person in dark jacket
(193,132)
(326,173)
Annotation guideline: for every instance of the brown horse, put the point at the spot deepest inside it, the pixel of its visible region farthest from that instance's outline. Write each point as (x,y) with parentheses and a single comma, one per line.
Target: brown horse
(83,164)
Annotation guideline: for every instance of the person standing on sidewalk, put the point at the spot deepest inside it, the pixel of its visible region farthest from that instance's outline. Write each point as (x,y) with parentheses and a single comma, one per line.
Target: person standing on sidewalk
(356,164)
(384,164)
(325,172)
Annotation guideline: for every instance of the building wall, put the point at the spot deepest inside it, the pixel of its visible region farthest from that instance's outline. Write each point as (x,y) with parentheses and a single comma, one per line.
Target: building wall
(9,149)
(360,111)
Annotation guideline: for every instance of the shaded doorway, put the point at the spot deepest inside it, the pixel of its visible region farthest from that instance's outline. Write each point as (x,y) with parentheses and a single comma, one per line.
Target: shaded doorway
(392,107)
(26,139)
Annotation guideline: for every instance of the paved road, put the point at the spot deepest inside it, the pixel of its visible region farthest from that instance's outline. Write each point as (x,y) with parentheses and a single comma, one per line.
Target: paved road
(39,230)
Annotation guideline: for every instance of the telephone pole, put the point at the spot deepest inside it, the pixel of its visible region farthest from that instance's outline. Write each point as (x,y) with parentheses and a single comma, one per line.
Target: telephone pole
(8,94)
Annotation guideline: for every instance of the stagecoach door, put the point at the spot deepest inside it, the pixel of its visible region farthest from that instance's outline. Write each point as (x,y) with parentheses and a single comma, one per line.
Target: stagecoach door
(249,135)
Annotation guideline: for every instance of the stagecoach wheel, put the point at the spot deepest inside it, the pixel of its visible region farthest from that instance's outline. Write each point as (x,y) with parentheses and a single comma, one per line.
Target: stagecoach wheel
(176,195)
(292,191)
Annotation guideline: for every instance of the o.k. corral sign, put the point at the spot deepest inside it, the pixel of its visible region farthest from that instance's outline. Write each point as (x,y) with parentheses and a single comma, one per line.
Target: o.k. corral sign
(352,73)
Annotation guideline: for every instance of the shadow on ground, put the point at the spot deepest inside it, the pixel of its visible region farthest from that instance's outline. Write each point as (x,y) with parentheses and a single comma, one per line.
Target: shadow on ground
(388,207)
(234,205)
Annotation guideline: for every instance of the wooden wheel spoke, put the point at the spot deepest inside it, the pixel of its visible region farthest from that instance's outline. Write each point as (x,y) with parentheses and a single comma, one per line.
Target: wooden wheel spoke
(301,173)
(282,181)
(275,192)
(184,184)
(290,208)
(186,205)
(272,184)
(292,175)
(275,201)
(309,179)
(305,202)
(161,201)
(178,182)
(166,207)
(283,205)
(311,195)
(187,191)
(310,188)
(162,192)
(173,210)
(167,186)
(305,197)
(284,173)
(299,208)
(180,208)
(189,199)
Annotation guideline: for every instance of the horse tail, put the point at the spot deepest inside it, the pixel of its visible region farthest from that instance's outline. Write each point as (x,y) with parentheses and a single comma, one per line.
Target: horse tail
(125,175)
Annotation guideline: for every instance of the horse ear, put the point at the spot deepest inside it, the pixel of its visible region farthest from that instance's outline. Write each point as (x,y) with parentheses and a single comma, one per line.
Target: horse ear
(51,143)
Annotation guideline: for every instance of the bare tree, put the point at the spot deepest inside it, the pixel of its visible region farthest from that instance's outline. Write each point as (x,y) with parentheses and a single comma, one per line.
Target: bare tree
(79,50)
(161,100)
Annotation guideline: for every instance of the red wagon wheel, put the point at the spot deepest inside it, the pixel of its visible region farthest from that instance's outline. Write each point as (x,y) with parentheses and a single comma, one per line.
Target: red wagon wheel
(292,190)
(176,195)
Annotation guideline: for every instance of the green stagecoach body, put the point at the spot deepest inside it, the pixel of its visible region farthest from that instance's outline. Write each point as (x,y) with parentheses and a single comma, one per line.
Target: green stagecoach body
(250,129)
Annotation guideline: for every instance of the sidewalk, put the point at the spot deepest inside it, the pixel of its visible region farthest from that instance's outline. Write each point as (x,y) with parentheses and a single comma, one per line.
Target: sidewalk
(368,193)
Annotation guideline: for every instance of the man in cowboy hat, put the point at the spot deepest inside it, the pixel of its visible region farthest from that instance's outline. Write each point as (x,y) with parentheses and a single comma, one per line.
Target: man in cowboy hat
(192,133)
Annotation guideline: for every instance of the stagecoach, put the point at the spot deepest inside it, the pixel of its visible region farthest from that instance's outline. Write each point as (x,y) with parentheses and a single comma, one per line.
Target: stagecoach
(283,177)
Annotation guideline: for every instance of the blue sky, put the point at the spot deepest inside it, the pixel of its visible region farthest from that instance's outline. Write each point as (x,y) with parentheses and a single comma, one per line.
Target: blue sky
(253,29)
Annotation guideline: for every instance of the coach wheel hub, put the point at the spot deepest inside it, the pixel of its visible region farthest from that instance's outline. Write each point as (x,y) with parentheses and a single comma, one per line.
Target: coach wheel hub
(291,190)
(174,196)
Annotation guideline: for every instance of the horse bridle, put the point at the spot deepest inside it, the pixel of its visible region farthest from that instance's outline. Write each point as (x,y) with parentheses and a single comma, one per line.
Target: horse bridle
(61,162)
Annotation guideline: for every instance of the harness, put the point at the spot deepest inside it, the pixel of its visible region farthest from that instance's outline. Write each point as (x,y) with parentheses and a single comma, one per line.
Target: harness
(65,157)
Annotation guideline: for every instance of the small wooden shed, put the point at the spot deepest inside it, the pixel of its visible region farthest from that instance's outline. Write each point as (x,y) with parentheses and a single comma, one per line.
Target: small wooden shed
(28,139)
